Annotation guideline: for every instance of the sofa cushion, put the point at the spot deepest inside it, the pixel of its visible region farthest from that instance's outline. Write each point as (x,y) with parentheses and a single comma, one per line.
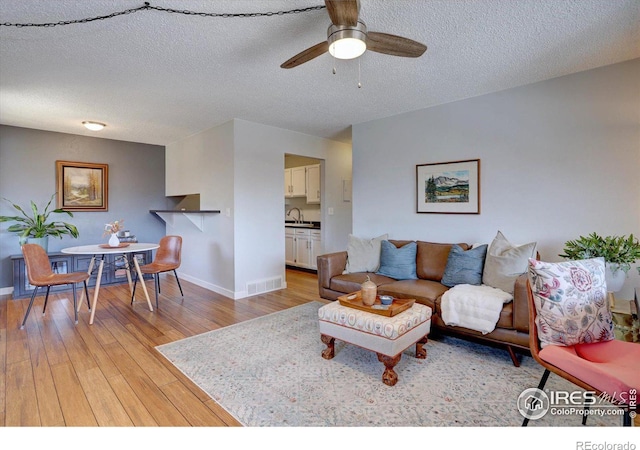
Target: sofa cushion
(506,262)
(398,243)
(571,302)
(398,263)
(363,255)
(431,259)
(351,282)
(423,291)
(506,317)
(464,267)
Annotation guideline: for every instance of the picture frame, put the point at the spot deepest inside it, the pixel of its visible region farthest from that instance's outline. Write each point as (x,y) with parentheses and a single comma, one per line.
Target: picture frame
(448,187)
(82,186)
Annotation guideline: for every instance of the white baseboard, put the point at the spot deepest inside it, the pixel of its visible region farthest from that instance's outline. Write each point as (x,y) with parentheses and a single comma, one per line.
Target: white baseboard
(235,295)
(6,291)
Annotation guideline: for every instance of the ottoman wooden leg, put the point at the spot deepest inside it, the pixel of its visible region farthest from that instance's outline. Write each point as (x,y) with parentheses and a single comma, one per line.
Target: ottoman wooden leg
(389,377)
(421,352)
(328,352)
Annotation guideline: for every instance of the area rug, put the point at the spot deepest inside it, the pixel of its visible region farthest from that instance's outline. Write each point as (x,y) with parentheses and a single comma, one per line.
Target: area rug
(269,372)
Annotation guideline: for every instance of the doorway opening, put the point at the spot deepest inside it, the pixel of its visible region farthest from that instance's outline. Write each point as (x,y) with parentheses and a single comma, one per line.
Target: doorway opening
(303,183)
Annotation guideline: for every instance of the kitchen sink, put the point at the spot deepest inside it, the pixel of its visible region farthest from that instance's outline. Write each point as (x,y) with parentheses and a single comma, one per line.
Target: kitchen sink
(299,225)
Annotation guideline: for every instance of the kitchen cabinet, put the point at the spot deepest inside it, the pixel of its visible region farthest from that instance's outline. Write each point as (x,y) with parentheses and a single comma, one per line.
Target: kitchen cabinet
(289,245)
(313,183)
(287,183)
(302,246)
(316,248)
(295,182)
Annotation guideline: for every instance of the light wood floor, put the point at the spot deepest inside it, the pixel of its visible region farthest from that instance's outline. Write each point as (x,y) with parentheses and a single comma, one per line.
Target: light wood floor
(55,373)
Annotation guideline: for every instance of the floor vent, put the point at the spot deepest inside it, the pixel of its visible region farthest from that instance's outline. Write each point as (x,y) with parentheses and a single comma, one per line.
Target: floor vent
(267,285)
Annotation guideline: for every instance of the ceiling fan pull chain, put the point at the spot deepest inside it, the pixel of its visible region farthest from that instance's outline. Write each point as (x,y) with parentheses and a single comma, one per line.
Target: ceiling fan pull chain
(334,65)
(359,78)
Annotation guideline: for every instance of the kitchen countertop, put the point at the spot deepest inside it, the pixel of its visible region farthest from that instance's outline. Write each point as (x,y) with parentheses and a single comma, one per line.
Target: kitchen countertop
(308,225)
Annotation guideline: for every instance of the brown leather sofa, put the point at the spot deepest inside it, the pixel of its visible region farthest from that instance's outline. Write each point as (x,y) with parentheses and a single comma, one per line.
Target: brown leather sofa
(512,329)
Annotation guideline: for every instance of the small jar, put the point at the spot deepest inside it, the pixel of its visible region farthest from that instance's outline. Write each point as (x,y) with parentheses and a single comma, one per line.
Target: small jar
(369,291)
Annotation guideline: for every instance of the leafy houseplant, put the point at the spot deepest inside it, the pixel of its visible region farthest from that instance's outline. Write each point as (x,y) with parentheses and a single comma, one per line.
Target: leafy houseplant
(619,252)
(36,225)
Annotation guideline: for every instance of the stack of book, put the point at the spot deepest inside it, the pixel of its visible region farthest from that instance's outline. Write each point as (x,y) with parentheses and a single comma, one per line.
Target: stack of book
(126,236)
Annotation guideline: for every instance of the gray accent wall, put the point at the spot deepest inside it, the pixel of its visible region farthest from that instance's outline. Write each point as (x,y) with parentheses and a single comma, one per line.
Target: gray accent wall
(28,172)
(559,159)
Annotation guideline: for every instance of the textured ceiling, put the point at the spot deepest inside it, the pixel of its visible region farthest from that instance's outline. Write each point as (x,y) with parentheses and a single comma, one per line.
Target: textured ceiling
(156,78)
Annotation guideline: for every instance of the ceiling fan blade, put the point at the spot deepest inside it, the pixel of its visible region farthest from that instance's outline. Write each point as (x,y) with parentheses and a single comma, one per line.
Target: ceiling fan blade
(343,12)
(391,44)
(306,55)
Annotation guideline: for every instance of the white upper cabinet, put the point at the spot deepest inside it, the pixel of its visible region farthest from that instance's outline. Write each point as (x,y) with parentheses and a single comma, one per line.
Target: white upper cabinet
(298,179)
(313,183)
(295,182)
(303,181)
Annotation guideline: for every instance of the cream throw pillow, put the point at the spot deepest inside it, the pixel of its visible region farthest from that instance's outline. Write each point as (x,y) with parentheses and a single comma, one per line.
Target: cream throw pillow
(506,262)
(571,302)
(363,255)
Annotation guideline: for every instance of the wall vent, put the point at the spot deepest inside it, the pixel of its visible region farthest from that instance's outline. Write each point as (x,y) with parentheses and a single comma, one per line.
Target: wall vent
(270,284)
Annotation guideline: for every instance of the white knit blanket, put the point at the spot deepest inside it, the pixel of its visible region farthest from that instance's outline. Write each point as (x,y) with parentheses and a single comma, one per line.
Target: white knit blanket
(474,307)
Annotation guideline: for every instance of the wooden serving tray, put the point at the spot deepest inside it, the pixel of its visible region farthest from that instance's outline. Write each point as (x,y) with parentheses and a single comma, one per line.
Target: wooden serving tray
(354,300)
(121,245)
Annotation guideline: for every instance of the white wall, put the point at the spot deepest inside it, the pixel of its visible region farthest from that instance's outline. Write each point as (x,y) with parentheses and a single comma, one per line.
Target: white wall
(259,188)
(239,166)
(559,159)
(203,163)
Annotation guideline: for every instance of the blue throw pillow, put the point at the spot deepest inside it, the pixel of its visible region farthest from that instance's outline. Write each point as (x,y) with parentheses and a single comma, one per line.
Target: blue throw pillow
(464,267)
(398,263)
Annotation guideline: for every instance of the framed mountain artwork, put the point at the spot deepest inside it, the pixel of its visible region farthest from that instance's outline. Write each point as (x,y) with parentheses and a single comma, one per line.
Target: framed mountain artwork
(448,187)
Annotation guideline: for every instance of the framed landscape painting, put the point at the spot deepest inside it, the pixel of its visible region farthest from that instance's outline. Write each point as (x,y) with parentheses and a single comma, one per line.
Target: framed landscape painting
(449,187)
(82,186)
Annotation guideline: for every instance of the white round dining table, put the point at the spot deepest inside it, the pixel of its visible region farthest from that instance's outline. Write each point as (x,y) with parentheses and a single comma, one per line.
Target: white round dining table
(99,251)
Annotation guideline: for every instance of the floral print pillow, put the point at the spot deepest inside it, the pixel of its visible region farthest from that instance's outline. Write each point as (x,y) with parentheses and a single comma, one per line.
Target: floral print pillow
(571,302)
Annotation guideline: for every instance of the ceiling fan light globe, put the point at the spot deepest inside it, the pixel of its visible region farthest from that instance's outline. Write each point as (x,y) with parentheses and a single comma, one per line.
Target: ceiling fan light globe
(347,42)
(347,48)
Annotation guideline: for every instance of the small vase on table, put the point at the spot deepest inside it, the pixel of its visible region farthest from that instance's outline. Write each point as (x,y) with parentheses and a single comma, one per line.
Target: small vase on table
(114,241)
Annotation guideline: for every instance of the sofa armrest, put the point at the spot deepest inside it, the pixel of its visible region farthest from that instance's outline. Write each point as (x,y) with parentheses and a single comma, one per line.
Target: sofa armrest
(521,304)
(329,266)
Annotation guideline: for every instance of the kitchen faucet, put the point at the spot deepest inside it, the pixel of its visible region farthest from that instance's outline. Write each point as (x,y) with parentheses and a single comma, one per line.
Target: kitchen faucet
(300,217)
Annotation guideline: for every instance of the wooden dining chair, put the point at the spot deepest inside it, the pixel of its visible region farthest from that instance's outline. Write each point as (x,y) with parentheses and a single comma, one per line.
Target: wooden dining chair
(167,259)
(39,274)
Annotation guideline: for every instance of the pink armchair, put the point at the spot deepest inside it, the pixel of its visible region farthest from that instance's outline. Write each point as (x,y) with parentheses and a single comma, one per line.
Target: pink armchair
(597,363)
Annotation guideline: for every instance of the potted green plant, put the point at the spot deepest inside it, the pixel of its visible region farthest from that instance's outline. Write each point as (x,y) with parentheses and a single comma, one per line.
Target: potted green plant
(36,228)
(619,252)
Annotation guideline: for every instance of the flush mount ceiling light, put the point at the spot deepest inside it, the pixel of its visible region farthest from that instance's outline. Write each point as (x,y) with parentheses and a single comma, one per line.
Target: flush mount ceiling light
(93,126)
(346,41)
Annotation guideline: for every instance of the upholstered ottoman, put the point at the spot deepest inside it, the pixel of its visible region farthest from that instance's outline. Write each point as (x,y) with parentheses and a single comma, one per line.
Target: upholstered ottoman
(387,336)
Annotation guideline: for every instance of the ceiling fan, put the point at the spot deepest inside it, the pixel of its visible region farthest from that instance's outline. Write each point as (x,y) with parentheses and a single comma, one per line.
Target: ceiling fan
(347,38)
